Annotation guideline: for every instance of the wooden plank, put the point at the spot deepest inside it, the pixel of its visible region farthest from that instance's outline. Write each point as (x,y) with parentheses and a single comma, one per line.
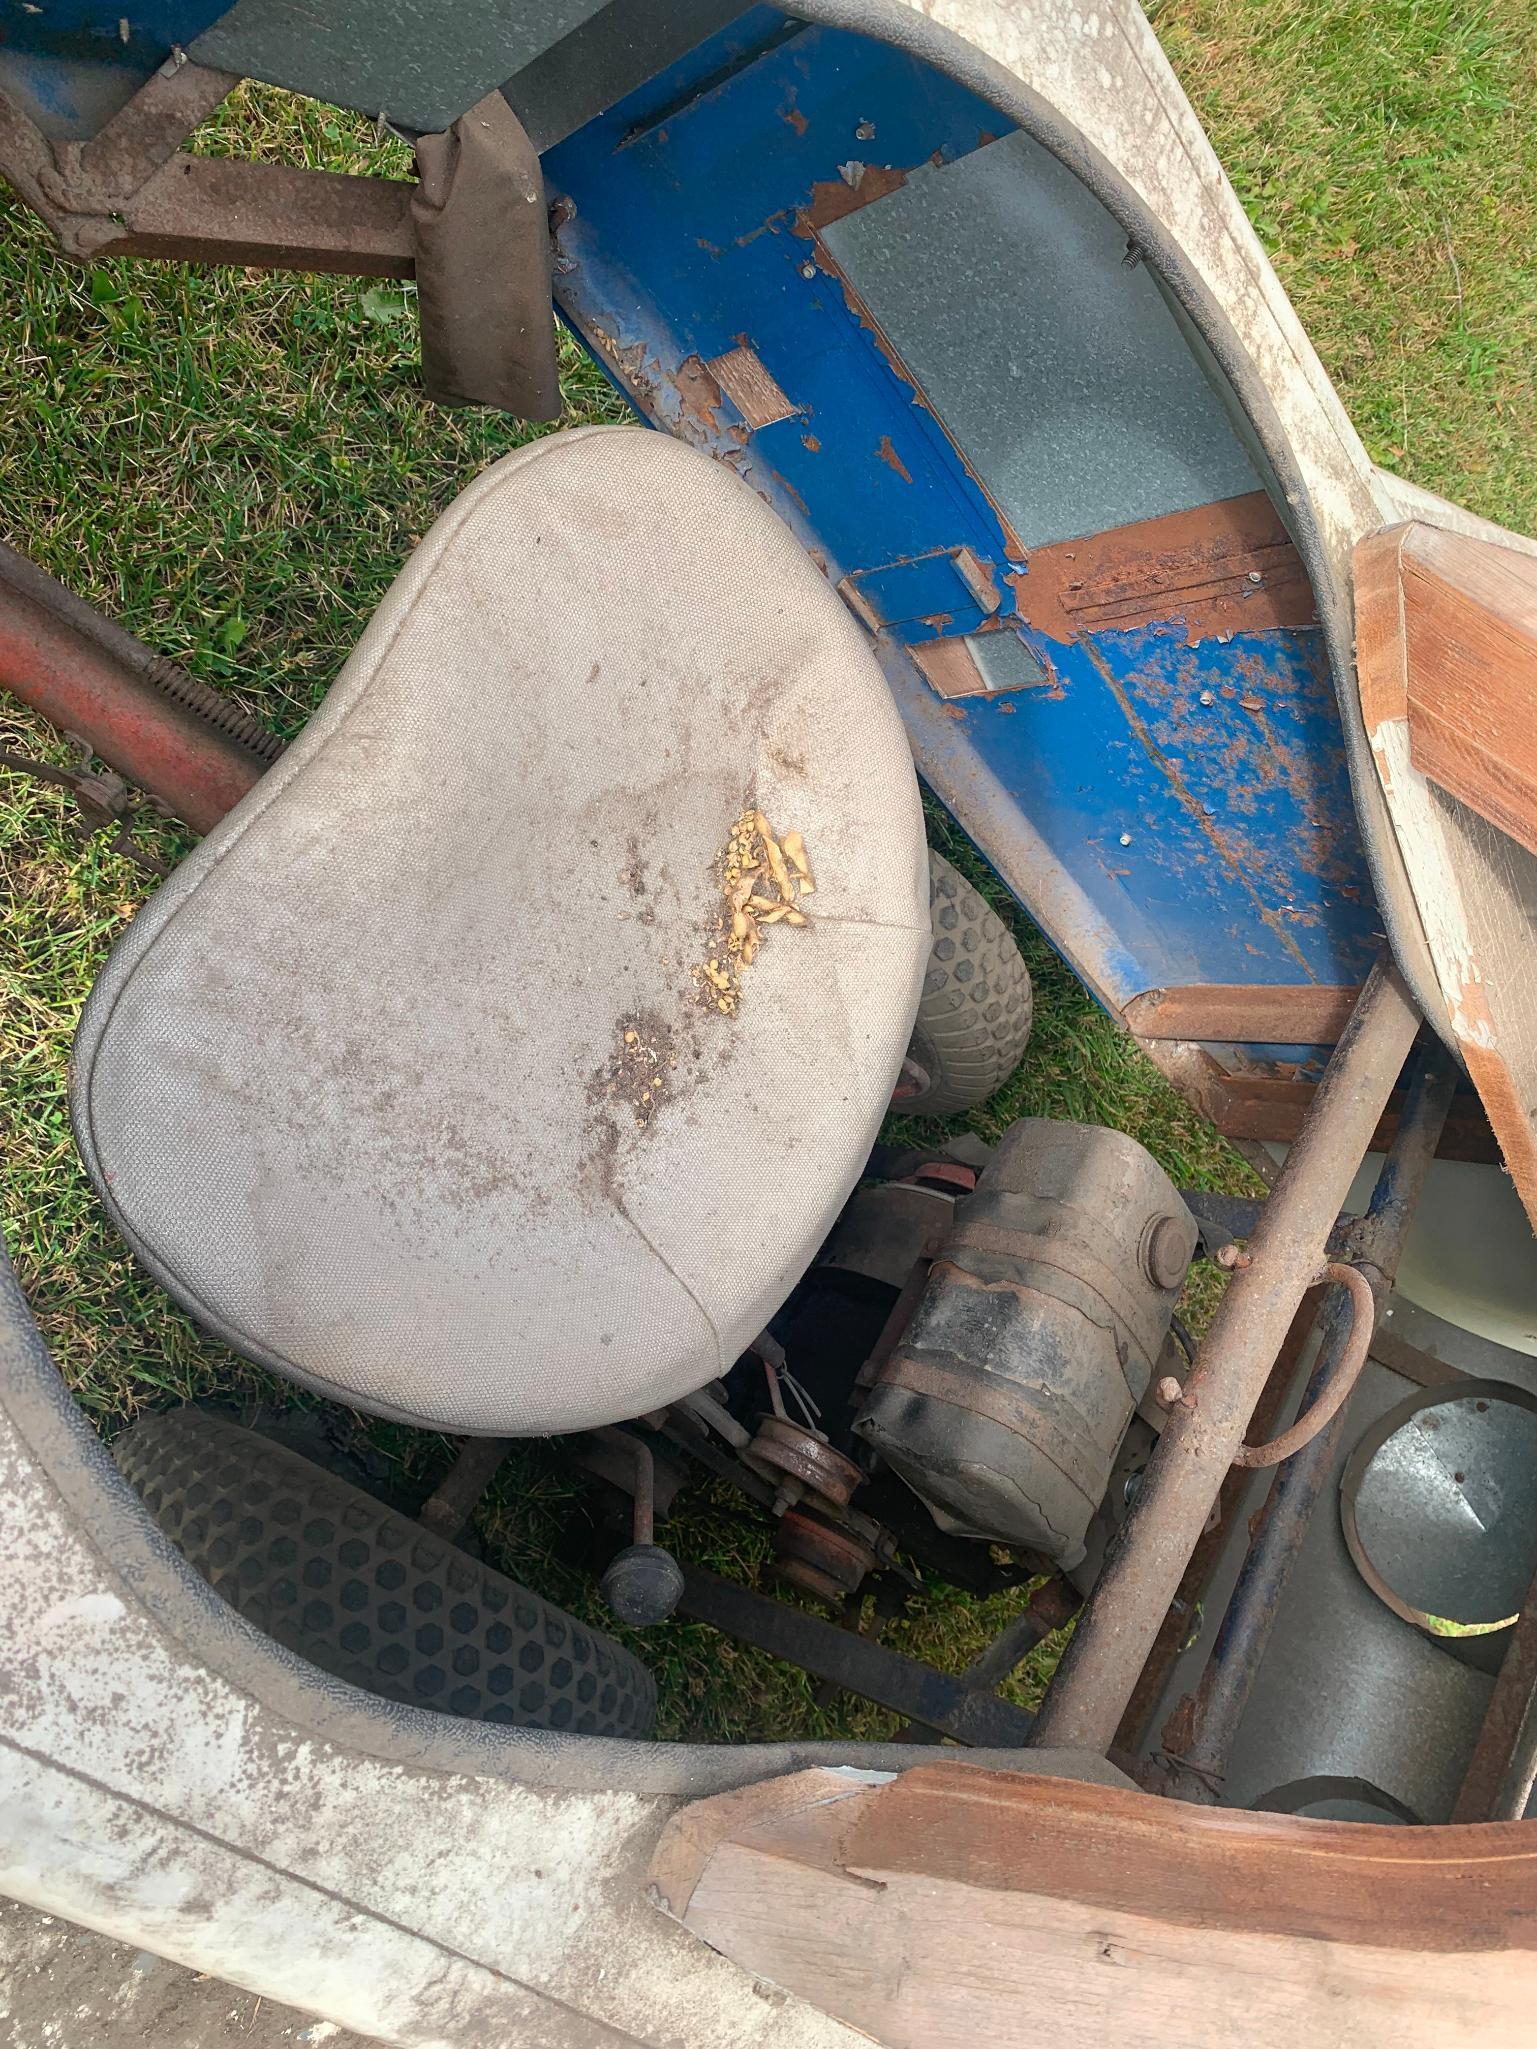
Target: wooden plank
(938,1911)
(1463,670)
(1442,621)
(1252,1014)
(750,388)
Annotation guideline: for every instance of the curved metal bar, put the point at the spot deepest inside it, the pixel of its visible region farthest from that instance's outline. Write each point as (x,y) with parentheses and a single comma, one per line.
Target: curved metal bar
(1336,1390)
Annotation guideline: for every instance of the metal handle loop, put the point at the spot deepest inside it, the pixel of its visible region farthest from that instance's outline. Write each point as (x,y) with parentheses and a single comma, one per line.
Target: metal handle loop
(1347,1372)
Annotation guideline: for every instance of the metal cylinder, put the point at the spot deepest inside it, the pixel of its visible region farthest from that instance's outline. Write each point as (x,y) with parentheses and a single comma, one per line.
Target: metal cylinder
(1117,1630)
(1007,1398)
(82,682)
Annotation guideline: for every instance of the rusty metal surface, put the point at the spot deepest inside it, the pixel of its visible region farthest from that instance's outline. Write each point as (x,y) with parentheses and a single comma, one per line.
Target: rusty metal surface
(828,1560)
(1224,568)
(153,735)
(787,1450)
(1099,1672)
(131,192)
(1251,1107)
(886,1227)
(1503,1768)
(102,175)
(218,210)
(1183,1618)
(483,258)
(1335,1390)
(1264,1013)
(1198,1737)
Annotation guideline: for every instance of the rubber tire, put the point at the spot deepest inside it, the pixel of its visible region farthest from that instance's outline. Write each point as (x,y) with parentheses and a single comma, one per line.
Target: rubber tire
(369,1595)
(973,1022)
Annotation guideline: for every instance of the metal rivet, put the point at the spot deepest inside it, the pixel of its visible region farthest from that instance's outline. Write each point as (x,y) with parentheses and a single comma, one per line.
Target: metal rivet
(808,271)
(1207,698)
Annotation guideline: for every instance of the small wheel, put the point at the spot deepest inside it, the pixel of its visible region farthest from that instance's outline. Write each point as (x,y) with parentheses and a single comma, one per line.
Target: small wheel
(973,1022)
(369,1595)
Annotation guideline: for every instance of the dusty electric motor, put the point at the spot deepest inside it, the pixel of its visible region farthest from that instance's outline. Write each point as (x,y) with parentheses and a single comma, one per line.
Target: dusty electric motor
(1005,1402)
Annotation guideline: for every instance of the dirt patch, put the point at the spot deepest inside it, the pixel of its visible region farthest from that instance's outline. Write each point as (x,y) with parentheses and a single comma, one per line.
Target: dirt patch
(640,1073)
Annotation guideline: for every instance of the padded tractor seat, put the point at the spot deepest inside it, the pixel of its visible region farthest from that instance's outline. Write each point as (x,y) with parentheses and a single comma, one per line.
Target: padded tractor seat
(412,1083)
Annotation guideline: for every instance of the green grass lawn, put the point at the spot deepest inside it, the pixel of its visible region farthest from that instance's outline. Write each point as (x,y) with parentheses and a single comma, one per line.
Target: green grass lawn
(234,465)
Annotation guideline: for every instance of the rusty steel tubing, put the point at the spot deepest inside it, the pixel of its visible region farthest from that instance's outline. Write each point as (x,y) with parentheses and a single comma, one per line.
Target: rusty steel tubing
(1205,1431)
(1340,1381)
(1503,1768)
(1207,1722)
(138,714)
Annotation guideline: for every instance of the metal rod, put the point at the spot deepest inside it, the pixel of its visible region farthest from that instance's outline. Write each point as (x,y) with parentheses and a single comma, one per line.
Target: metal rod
(1503,1768)
(1116,1631)
(452,1502)
(643,1488)
(1183,1621)
(1050,1608)
(1328,1396)
(134,722)
(1200,1735)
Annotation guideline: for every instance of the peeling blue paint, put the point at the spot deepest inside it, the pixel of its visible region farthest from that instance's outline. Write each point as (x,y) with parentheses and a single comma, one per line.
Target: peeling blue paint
(1186,808)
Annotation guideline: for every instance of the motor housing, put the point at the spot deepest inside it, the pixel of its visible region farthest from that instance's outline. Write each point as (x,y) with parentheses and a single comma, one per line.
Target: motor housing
(1004,1403)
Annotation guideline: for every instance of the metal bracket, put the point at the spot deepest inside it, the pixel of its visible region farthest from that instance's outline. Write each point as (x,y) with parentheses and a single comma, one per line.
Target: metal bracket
(475,232)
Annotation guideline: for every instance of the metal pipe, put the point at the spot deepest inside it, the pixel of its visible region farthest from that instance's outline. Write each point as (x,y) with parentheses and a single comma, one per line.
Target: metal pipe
(1051,1607)
(1503,1768)
(1116,1631)
(453,1501)
(168,734)
(1201,1731)
(1183,1621)
(1330,1395)
(643,1486)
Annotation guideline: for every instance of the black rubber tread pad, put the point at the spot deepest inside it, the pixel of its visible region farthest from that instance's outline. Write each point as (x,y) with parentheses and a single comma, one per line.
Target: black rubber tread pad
(369,1595)
(973,1020)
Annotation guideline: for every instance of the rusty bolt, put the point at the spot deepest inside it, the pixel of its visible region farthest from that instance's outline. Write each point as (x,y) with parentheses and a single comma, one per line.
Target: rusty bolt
(1231,1259)
(1168,1391)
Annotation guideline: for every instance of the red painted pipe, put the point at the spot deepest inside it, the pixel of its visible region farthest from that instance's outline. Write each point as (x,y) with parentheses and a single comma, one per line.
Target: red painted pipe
(98,683)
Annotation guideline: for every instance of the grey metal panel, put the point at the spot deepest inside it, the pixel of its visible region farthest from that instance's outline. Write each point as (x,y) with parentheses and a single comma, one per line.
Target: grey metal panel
(420,62)
(624,45)
(1346,1688)
(1005,662)
(1056,364)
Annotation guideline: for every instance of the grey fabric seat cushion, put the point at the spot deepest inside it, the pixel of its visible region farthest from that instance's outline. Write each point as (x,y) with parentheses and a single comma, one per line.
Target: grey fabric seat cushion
(355,1084)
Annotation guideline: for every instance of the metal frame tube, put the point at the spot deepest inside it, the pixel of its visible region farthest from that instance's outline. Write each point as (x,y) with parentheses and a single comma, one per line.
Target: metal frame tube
(1210,1720)
(1206,1428)
(138,714)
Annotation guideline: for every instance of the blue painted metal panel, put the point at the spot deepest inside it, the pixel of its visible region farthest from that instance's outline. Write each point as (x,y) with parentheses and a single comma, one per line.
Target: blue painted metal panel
(1187,808)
